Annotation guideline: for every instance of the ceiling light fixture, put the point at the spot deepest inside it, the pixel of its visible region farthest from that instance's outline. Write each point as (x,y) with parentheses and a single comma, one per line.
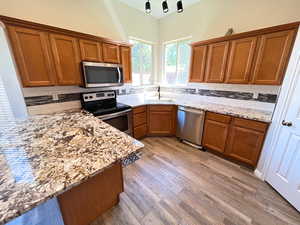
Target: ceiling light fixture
(148,7)
(165,6)
(179,6)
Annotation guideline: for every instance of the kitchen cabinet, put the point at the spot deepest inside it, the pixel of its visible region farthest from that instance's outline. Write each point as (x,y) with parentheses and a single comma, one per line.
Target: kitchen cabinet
(254,57)
(245,140)
(90,50)
(216,62)
(140,122)
(111,53)
(272,57)
(47,55)
(235,138)
(240,60)
(66,59)
(126,63)
(216,128)
(198,59)
(162,120)
(33,56)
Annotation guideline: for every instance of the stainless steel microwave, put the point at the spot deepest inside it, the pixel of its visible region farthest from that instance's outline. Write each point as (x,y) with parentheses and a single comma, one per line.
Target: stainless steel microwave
(102,74)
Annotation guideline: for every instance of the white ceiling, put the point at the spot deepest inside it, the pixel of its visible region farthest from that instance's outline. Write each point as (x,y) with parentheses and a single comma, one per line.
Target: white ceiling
(156,6)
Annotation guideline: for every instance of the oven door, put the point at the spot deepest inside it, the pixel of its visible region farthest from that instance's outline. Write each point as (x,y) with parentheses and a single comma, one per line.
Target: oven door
(102,74)
(120,120)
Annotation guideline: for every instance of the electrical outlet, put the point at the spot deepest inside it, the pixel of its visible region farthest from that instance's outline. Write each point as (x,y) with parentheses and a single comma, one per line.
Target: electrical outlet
(55,97)
(255,95)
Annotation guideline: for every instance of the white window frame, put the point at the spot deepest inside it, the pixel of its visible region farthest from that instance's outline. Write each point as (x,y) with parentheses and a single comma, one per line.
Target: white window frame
(153,59)
(164,58)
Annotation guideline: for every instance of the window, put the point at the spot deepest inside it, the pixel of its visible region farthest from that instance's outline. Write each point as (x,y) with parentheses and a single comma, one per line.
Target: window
(176,62)
(142,62)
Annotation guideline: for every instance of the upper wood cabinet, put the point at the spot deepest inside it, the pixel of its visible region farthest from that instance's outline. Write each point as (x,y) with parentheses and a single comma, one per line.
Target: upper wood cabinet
(254,57)
(111,53)
(240,60)
(66,58)
(197,70)
(216,62)
(272,57)
(33,56)
(90,50)
(126,63)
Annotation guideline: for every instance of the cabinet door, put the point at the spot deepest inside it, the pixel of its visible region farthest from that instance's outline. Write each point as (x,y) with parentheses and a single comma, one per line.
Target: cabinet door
(216,62)
(272,57)
(245,145)
(111,53)
(90,50)
(140,131)
(161,120)
(126,63)
(215,135)
(33,56)
(67,60)
(240,60)
(198,63)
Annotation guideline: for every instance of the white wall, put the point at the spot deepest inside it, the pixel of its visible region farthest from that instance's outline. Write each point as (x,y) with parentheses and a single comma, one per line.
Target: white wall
(212,18)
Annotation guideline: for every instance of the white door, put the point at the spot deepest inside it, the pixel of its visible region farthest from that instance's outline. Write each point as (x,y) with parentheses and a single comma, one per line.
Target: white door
(284,170)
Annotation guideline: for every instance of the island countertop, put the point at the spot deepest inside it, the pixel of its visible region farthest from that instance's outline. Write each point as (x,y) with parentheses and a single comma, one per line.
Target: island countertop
(44,156)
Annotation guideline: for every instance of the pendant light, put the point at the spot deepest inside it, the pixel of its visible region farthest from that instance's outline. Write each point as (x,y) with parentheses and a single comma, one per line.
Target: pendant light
(148,7)
(165,6)
(179,6)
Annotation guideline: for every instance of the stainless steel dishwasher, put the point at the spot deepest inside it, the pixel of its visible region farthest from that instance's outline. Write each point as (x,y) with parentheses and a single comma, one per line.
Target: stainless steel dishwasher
(190,124)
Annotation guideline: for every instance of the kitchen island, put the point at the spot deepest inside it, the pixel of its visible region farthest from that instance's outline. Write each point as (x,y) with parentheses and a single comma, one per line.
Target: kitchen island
(72,156)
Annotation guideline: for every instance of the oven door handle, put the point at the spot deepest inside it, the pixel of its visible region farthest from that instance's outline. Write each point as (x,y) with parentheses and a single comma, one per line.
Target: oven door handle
(114,115)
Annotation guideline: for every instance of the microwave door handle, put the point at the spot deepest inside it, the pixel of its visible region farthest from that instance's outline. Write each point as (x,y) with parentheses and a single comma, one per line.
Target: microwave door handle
(120,75)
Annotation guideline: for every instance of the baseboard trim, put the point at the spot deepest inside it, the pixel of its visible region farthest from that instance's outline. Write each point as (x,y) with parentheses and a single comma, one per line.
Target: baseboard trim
(259,174)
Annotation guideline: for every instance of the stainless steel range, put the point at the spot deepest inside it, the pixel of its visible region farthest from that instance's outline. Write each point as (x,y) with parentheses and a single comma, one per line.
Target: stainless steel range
(104,105)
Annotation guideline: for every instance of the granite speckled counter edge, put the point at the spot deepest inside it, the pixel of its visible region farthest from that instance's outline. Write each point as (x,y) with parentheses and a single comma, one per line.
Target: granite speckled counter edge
(47,155)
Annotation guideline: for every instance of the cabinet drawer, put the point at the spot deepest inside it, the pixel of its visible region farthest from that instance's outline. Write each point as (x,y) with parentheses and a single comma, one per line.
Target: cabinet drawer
(250,124)
(218,117)
(139,119)
(139,109)
(140,131)
(161,108)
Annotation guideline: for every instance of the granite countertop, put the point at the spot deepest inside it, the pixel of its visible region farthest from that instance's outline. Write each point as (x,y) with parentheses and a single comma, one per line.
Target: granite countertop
(242,112)
(44,156)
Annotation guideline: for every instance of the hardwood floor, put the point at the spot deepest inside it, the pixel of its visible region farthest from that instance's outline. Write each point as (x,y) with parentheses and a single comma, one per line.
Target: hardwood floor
(175,184)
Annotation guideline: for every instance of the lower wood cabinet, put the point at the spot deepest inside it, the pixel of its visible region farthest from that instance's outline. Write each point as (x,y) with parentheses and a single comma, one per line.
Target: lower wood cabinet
(140,122)
(216,130)
(162,120)
(235,138)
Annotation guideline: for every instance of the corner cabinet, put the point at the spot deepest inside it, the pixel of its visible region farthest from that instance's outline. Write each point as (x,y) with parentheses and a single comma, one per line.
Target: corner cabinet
(111,53)
(162,120)
(33,56)
(126,63)
(66,58)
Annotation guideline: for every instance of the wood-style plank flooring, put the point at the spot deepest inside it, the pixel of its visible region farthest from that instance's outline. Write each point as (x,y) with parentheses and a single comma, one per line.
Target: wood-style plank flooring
(175,184)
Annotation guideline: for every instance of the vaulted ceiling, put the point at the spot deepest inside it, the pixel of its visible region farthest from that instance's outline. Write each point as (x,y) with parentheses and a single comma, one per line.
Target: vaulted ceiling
(157,7)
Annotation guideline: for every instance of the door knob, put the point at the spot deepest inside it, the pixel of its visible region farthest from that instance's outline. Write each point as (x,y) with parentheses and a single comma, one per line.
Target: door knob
(288,124)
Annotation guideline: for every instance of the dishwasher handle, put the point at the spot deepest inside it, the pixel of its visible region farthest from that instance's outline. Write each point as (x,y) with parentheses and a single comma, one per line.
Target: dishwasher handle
(191,110)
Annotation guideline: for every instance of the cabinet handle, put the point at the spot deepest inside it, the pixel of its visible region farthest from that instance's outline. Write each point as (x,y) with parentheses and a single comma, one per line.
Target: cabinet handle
(288,124)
